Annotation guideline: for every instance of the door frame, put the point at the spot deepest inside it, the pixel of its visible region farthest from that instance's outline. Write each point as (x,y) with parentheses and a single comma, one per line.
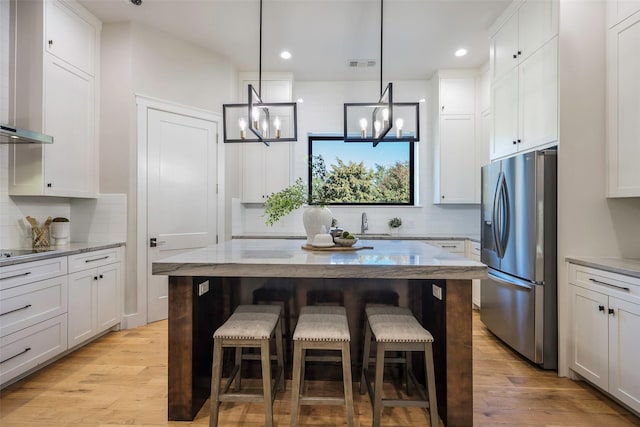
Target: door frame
(143,104)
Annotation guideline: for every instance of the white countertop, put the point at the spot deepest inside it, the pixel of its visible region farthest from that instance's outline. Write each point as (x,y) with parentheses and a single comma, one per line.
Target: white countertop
(626,266)
(400,259)
(57,251)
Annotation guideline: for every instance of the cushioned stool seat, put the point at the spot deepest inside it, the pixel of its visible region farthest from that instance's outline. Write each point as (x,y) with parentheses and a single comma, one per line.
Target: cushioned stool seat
(248,326)
(326,328)
(396,329)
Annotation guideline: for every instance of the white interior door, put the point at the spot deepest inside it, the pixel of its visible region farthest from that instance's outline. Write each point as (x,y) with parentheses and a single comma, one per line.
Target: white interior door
(181,195)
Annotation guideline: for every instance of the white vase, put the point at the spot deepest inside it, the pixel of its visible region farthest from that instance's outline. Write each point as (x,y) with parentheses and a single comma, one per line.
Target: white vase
(314,218)
(60,233)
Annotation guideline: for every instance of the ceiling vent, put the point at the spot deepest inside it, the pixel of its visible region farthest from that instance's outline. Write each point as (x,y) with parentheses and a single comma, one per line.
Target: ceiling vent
(362,63)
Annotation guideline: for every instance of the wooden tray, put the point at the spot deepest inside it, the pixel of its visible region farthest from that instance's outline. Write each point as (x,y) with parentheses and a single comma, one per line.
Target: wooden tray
(336,248)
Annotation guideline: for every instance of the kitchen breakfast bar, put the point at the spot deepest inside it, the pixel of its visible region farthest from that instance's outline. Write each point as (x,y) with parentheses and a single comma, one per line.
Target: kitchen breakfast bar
(206,285)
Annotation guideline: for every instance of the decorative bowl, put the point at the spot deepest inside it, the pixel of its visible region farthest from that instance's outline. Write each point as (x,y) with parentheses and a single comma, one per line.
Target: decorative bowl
(345,242)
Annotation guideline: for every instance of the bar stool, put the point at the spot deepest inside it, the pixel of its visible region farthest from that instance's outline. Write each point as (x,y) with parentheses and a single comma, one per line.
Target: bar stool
(250,326)
(326,328)
(396,329)
(278,291)
(385,297)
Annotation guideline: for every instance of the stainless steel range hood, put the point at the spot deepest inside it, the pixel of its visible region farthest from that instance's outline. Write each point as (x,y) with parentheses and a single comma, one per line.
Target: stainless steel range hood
(12,135)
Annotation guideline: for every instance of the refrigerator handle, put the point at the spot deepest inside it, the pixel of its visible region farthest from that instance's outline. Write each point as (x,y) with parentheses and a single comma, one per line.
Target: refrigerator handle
(504,223)
(496,222)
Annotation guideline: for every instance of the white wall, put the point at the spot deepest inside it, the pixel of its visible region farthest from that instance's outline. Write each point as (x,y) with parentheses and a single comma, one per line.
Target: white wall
(322,111)
(589,224)
(140,60)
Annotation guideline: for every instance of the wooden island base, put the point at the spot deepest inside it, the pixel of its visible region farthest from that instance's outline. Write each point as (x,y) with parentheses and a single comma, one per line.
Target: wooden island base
(193,319)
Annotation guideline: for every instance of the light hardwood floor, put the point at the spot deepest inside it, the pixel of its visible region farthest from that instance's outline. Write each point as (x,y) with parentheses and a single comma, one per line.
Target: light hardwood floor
(121,379)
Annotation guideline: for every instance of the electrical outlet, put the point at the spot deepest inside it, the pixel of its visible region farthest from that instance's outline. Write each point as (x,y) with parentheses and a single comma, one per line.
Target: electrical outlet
(437,291)
(203,288)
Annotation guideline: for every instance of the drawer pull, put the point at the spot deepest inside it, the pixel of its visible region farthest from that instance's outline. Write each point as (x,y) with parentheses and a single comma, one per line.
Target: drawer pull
(448,246)
(16,355)
(17,309)
(16,275)
(609,284)
(96,259)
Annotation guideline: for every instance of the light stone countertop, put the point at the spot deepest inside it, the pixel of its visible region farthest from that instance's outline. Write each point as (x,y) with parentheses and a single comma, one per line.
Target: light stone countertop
(368,236)
(388,259)
(58,251)
(626,266)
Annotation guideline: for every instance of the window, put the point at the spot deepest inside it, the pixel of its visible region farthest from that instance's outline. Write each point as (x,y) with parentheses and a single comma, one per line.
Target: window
(358,174)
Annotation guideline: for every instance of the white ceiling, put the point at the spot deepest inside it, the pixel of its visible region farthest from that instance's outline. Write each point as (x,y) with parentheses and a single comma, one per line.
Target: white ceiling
(420,36)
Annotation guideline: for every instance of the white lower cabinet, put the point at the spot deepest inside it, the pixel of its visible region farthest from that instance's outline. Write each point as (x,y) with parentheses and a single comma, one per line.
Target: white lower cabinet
(605,320)
(33,315)
(32,346)
(94,295)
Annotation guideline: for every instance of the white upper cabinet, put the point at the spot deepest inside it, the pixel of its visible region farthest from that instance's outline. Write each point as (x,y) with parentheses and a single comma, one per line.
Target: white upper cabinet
(623,107)
(618,10)
(524,78)
(57,65)
(457,95)
(70,36)
(456,173)
(522,32)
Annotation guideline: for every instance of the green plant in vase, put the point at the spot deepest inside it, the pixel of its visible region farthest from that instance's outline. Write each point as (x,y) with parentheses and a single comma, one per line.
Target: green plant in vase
(394,224)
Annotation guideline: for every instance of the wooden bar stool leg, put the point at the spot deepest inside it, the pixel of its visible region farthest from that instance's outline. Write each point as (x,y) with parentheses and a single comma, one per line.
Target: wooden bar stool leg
(296,380)
(265,357)
(280,356)
(216,378)
(431,384)
(346,379)
(365,357)
(238,364)
(377,399)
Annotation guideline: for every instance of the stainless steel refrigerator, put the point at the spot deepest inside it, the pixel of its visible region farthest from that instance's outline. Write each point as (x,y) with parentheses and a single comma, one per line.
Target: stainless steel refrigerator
(518,239)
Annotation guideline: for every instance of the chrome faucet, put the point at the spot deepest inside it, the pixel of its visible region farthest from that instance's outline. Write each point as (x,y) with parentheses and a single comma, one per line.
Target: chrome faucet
(364,226)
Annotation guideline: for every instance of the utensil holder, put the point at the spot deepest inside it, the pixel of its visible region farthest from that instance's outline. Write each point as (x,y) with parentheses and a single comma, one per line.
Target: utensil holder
(40,237)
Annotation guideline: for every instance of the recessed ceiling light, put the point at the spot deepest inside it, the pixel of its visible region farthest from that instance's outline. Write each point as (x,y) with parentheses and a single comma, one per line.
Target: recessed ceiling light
(285,54)
(461,52)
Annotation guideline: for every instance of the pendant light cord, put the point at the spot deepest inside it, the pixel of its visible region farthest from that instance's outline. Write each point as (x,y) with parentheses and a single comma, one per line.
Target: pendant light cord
(381,21)
(260,60)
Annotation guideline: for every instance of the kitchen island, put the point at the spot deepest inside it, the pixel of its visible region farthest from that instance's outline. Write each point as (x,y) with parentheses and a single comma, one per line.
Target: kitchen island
(205,286)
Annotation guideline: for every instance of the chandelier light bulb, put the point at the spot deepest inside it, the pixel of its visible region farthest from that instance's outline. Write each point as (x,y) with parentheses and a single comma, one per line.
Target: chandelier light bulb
(363,127)
(399,124)
(376,127)
(276,124)
(243,126)
(255,116)
(385,117)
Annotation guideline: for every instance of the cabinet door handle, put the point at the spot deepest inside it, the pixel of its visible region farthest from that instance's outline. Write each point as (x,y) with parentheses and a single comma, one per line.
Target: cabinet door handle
(49,185)
(15,355)
(515,56)
(16,275)
(519,141)
(611,312)
(514,142)
(448,246)
(519,52)
(95,277)
(601,308)
(14,310)
(96,259)
(101,276)
(50,43)
(609,284)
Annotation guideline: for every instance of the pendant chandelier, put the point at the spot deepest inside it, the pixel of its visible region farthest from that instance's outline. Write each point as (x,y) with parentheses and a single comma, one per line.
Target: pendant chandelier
(374,122)
(258,121)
